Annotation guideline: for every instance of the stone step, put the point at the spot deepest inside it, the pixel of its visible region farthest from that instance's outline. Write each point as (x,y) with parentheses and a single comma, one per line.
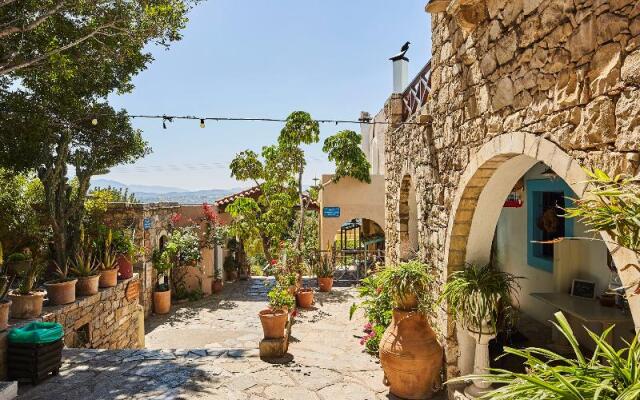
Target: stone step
(8,390)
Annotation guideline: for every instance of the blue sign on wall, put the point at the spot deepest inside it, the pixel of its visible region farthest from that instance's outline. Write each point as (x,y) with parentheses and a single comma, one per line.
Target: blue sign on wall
(331,212)
(146,224)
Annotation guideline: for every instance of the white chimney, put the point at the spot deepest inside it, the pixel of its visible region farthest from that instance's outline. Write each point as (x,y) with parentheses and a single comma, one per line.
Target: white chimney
(400,74)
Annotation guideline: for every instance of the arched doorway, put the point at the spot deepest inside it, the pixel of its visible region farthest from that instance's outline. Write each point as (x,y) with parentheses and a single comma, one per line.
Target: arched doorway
(360,245)
(477,210)
(408,223)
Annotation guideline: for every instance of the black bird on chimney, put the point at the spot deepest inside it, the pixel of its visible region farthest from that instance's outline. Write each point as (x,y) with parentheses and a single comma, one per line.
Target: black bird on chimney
(401,55)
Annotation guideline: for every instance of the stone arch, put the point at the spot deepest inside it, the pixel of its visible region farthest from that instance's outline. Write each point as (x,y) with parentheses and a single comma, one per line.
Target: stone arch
(486,182)
(407,219)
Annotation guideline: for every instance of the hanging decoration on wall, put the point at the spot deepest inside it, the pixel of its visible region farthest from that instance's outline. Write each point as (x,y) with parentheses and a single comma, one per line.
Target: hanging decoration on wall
(514,199)
(549,221)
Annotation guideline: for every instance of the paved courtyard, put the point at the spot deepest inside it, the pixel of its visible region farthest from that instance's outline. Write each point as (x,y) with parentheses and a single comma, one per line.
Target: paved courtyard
(208,350)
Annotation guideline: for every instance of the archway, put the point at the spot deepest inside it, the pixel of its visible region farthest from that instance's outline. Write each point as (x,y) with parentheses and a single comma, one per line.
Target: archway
(360,245)
(489,178)
(408,223)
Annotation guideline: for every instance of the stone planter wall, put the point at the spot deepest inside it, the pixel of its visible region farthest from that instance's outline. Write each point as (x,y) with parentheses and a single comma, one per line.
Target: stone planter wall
(107,320)
(553,80)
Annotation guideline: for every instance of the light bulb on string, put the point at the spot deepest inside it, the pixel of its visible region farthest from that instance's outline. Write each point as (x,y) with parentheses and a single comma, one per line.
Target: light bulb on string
(94,122)
(202,125)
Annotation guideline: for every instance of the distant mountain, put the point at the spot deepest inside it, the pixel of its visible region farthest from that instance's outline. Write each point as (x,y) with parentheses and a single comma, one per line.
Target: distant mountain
(155,194)
(103,183)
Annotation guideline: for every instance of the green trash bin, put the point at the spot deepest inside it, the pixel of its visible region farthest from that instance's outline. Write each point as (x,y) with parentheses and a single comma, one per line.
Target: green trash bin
(35,351)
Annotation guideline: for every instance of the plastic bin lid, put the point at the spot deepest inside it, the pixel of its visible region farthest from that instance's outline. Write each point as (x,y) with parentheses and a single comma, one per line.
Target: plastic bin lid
(36,333)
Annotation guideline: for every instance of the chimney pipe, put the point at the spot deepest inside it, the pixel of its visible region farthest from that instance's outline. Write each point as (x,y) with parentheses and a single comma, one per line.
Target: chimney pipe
(400,75)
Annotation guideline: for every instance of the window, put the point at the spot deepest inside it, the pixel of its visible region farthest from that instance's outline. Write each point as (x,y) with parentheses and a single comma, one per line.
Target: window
(545,201)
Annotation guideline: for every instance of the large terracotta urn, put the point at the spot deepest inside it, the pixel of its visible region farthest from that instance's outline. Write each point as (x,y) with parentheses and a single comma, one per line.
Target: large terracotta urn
(411,356)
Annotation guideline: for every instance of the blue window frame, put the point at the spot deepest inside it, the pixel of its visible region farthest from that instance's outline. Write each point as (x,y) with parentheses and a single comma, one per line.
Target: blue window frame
(541,195)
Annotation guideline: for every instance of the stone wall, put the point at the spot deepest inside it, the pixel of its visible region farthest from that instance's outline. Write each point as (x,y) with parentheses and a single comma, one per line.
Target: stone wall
(107,320)
(554,80)
(132,216)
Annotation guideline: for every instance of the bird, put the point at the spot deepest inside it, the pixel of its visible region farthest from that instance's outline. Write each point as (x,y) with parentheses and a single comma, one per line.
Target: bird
(401,55)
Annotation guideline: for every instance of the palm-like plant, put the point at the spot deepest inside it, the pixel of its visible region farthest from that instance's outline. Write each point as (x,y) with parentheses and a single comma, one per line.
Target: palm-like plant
(608,374)
(84,264)
(476,295)
(406,280)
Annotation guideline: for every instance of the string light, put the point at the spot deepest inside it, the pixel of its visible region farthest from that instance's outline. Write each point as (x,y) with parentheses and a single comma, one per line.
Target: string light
(202,125)
(94,122)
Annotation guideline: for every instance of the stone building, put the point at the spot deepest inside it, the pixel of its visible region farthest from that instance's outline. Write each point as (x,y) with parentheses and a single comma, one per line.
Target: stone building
(515,90)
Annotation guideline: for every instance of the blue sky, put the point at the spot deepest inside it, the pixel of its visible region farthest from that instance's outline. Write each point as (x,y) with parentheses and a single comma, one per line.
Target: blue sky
(256,58)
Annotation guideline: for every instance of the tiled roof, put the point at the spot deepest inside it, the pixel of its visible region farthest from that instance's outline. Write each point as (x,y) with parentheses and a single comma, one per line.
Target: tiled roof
(254,192)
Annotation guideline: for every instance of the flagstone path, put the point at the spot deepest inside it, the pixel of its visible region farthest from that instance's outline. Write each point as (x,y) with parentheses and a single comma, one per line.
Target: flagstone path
(208,350)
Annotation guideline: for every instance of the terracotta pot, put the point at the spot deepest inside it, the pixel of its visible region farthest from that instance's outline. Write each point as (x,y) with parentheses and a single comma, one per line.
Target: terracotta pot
(61,292)
(304,298)
(217,286)
(125,267)
(407,302)
(162,302)
(410,355)
(108,278)
(88,285)
(273,323)
(325,284)
(4,314)
(27,306)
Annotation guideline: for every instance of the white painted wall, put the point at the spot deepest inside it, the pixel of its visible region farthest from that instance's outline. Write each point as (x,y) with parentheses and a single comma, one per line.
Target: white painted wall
(588,260)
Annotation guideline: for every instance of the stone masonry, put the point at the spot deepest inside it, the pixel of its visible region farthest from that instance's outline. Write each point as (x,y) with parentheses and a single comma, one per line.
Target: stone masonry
(554,80)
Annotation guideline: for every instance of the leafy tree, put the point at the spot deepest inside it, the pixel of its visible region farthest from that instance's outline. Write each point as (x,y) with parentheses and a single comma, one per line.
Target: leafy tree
(278,173)
(59,117)
(33,32)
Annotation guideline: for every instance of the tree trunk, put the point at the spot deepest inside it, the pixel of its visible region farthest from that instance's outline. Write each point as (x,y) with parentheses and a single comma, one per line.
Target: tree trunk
(299,239)
(266,248)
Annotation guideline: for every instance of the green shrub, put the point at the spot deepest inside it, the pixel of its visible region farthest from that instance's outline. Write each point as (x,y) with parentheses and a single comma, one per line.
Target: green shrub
(608,374)
(280,298)
(406,279)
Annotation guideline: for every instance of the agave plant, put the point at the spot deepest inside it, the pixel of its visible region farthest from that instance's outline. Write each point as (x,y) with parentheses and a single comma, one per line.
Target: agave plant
(28,281)
(84,264)
(62,272)
(476,295)
(109,260)
(609,374)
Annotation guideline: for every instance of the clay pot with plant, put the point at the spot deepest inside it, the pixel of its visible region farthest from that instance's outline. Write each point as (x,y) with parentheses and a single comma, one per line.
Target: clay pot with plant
(62,289)
(274,319)
(162,264)
(5,285)
(410,354)
(304,297)
(85,267)
(108,264)
(126,250)
(218,281)
(18,264)
(26,300)
(324,269)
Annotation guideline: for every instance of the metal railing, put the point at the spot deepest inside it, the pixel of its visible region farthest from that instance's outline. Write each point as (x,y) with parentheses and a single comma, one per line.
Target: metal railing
(415,95)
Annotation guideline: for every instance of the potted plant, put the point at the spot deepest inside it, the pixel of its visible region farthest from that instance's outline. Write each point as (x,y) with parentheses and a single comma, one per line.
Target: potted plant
(85,268)
(324,270)
(125,250)
(476,296)
(162,291)
(288,281)
(108,264)
(274,319)
(5,285)
(304,297)
(62,289)
(18,264)
(410,354)
(218,281)
(230,268)
(26,301)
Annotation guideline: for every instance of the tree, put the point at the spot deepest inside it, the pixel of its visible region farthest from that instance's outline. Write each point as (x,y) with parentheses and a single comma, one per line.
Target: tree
(278,173)
(59,115)
(32,32)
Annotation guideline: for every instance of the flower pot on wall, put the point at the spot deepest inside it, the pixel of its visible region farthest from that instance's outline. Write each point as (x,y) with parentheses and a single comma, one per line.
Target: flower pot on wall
(162,302)
(304,298)
(125,267)
(4,314)
(108,278)
(26,306)
(87,286)
(325,284)
(273,323)
(61,292)
(410,355)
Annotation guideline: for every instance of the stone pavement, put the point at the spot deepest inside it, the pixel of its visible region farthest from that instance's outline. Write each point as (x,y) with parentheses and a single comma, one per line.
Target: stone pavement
(208,350)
